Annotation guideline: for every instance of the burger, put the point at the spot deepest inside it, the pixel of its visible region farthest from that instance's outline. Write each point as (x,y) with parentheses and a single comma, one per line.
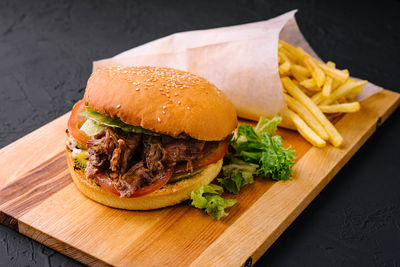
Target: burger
(145,137)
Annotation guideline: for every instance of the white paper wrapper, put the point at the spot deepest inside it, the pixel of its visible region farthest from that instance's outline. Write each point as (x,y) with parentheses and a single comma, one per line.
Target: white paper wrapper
(240,60)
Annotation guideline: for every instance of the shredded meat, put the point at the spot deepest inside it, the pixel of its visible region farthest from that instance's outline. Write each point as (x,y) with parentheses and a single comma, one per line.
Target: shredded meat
(183,150)
(133,161)
(132,179)
(153,153)
(116,156)
(108,149)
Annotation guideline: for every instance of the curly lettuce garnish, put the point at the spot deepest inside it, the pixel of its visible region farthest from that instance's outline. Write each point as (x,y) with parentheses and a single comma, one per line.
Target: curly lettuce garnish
(208,197)
(237,174)
(259,146)
(256,152)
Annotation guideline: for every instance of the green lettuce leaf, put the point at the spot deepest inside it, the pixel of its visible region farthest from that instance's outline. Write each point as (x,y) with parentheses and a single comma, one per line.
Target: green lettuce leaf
(208,197)
(105,120)
(276,161)
(237,174)
(91,127)
(267,126)
(259,146)
(216,206)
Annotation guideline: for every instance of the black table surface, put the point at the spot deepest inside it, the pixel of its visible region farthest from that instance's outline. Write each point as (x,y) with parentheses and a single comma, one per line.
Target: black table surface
(46,52)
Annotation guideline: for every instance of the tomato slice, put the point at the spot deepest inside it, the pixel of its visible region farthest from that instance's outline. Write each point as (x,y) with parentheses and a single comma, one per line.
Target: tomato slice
(105,182)
(75,122)
(215,154)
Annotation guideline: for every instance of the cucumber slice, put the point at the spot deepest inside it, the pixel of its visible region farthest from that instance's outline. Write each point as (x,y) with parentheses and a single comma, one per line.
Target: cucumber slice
(179,177)
(80,161)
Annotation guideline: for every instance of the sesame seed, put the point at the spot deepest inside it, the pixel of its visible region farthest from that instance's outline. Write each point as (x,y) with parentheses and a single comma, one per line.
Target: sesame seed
(175,94)
(137,89)
(119,105)
(163,112)
(188,108)
(179,102)
(158,119)
(164,107)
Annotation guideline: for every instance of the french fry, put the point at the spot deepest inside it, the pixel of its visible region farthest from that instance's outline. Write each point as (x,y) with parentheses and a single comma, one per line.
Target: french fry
(335,83)
(334,137)
(347,88)
(306,131)
(301,53)
(355,92)
(298,76)
(331,64)
(306,115)
(318,98)
(284,68)
(313,89)
(310,84)
(345,108)
(283,57)
(326,90)
(300,70)
(332,72)
(316,72)
(305,90)
(297,52)
(288,54)
(291,49)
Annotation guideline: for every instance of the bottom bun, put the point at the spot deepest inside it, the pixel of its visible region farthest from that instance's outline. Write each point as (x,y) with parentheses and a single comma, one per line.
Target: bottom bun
(168,195)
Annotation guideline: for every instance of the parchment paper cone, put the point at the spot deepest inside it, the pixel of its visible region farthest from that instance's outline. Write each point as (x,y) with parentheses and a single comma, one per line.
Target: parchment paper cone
(240,60)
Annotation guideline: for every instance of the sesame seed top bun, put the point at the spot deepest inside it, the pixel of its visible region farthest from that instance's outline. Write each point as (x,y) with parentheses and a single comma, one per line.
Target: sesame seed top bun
(162,100)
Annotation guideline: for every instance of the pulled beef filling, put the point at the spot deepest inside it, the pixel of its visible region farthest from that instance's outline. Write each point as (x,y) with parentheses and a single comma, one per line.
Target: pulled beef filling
(132,161)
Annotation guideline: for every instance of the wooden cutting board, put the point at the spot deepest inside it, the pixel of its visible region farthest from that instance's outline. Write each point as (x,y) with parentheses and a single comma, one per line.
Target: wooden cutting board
(38,199)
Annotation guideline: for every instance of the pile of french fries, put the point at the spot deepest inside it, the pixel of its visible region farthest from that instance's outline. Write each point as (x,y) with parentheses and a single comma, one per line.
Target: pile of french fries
(312,88)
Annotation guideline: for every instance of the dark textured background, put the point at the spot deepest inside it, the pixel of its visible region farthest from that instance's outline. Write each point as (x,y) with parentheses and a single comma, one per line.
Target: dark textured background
(46,50)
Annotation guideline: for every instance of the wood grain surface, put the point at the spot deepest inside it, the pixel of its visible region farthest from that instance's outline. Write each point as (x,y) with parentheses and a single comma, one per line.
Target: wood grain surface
(38,199)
